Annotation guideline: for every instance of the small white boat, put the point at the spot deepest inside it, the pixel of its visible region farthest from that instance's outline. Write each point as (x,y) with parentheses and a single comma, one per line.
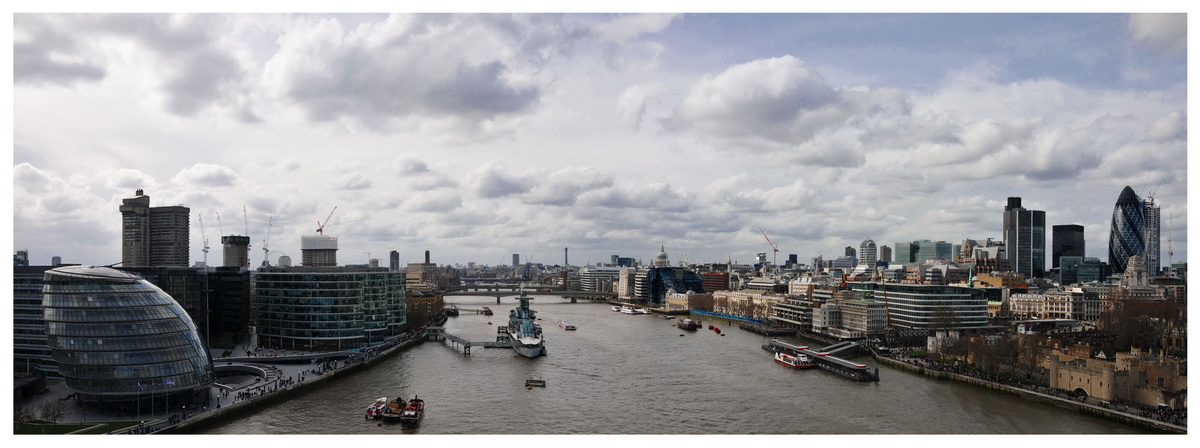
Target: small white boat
(375,410)
(616,308)
(566,325)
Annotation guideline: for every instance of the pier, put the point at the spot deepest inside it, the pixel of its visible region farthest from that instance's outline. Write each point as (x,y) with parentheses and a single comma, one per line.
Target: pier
(825,359)
(503,340)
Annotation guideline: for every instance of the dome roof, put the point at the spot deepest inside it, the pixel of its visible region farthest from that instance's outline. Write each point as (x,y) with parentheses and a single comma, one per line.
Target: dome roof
(662,260)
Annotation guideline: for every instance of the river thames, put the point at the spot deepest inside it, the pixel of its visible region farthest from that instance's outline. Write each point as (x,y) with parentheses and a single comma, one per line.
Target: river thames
(638,374)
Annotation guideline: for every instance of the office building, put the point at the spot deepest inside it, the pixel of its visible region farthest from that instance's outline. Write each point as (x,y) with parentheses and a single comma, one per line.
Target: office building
(394,261)
(885,254)
(1134,231)
(867,253)
(31,355)
(236,250)
(153,236)
(328,308)
(930,307)
(122,341)
(1152,255)
(923,250)
(1068,242)
(599,278)
(1025,239)
(318,250)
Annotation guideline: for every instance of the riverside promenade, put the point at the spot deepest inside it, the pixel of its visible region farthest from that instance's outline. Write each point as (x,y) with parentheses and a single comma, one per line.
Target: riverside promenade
(248,380)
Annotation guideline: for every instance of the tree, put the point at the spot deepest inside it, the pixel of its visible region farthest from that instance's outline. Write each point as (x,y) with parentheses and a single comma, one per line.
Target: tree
(53,410)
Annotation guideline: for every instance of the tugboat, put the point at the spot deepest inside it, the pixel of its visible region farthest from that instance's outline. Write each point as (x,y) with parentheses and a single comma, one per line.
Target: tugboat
(414,412)
(394,409)
(798,361)
(523,329)
(376,408)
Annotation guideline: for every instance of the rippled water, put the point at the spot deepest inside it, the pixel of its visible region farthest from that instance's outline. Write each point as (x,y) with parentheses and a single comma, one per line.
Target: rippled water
(622,374)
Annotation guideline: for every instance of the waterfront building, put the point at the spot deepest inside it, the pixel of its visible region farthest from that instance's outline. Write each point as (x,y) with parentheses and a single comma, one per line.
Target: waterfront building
(153,236)
(1025,238)
(653,283)
(599,278)
(1068,242)
(421,276)
(927,307)
(1134,231)
(1133,377)
(626,283)
(422,308)
(690,300)
(318,250)
(328,308)
(31,355)
(747,303)
(119,340)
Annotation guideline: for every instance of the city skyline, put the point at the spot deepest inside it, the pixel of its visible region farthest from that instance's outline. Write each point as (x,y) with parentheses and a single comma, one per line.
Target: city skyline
(479,136)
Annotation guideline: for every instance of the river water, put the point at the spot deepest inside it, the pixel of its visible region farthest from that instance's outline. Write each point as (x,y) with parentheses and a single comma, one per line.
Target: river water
(623,374)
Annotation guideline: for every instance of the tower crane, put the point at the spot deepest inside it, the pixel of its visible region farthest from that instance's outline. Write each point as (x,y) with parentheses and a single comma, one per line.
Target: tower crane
(775,256)
(220,228)
(204,235)
(321,226)
(266,251)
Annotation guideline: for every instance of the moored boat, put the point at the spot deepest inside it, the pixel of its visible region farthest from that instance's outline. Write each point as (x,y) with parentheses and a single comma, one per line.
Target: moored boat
(376,408)
(523,330)
(616,308)
(566,325)
(394,409)
(414,412)
(688,324)
(798,361)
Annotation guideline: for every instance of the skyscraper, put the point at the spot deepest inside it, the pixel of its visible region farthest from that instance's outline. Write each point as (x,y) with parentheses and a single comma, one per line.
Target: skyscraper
(153,236)
(867,253)
(236,251)
(1134,231)
(1068,242)
(1025,238)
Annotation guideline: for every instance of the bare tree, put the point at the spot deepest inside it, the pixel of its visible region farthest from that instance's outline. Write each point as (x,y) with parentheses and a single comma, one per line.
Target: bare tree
(53,410)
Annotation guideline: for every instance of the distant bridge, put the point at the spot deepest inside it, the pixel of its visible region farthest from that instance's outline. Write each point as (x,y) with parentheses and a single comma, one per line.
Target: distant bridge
(540,291)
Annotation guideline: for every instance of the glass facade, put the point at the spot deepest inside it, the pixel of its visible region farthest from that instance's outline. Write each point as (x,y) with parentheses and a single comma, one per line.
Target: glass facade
(922,306)
(1128,233)
(328,308)
(117,337)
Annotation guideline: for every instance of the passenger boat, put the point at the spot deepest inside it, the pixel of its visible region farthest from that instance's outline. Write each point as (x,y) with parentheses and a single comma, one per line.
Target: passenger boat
(799,361)
(688,324)
(628,310)
(641,311)
(376,408)
(414,412)
(394,409)
(566,325)
(616,308)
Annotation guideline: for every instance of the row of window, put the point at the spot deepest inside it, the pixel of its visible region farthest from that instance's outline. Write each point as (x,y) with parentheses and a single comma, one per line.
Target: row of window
(145,298)
(126,358)
(146,328)
(122,314)
(147,386)
(120,343)
(129,372)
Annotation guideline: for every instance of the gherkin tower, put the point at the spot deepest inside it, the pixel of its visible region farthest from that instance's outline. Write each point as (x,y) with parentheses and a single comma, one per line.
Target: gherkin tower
(1127,236)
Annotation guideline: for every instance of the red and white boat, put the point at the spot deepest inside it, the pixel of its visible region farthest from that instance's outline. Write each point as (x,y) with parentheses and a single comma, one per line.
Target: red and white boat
(375,410)
(798,361)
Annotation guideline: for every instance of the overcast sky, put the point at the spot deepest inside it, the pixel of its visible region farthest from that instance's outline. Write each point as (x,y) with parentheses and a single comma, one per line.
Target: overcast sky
(480,136)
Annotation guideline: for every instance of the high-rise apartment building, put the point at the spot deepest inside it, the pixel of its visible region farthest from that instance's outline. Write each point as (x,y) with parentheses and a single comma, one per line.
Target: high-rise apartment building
(1134,231)
(1068,242)
(1025,239)
(318,250)
(153,236)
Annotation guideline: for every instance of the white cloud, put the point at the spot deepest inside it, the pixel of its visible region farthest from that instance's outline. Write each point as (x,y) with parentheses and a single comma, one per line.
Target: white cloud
(206,175)
(1164,33)
(632,102)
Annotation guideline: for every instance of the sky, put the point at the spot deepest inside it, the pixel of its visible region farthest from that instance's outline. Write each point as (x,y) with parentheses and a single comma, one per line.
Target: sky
(479,136)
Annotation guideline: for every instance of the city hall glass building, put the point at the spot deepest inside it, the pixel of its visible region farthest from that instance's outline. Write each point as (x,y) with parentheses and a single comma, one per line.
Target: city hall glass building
(328,308)
(119,339)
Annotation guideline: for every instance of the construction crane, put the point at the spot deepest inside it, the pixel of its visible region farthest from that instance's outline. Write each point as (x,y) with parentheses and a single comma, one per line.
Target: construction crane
(775,257)
(246,223)
(320,226)
(205,237)
(220,228)
(266,251)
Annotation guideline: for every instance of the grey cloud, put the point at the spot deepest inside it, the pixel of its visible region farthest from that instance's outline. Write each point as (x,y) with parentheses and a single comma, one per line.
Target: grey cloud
(480,90)
(355,182)
(44,52)
(491,181)
(1169,126)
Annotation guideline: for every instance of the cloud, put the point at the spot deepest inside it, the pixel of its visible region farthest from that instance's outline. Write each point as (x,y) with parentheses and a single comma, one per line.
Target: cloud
(1169,126)
(494,181)
(355,182)
(627,27)
(46,52)
(453,71)
(206,175)
(563,187)
(767,101)
(129,179)
(631,103)
(1165,34)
